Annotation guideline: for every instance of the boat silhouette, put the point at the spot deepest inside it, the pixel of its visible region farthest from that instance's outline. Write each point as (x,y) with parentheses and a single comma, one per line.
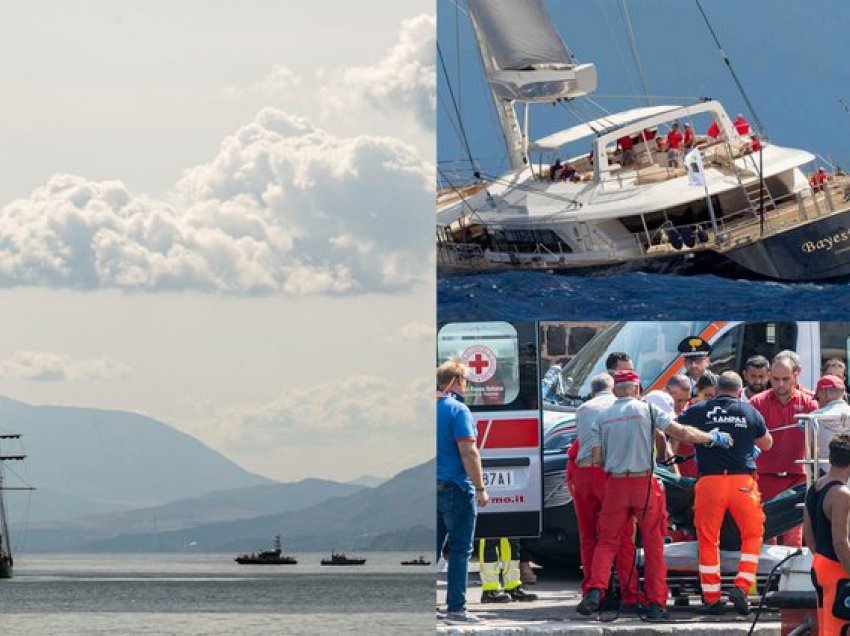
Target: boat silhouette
(338,558)
(267,557)
(420,560)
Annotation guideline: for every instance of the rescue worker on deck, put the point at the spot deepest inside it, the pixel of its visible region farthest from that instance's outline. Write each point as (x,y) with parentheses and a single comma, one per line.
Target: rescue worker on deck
(826,525)
(498,561)
(726,482)
(624,440)
(778,469)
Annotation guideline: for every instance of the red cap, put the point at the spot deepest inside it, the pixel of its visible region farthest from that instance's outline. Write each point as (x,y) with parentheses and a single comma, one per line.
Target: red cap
(626,377)
(830,382)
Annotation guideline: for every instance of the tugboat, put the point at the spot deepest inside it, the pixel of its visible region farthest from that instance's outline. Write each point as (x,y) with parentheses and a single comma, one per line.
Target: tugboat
(758,208)
(6,560)
(338,558)
(267,557)
(420,560)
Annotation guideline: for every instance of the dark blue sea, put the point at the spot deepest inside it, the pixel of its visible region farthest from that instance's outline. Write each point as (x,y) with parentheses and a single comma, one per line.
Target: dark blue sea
(526,296)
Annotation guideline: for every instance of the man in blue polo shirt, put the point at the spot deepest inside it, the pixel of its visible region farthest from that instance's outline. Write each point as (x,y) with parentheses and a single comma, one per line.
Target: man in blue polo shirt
(727,482)
(460,484)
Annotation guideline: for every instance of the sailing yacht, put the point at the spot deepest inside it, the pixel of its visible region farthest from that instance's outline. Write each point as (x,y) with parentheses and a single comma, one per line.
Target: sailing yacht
(6,561)
(606,194)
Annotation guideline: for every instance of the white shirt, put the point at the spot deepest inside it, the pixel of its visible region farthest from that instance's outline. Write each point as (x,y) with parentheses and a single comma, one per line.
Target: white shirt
(585,416)
(832,417)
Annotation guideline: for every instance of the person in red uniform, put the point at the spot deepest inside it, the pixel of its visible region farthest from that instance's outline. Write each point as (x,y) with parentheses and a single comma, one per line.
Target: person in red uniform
(587,482)
(627,156)
(625,432)
(826,524)
(688,141)
(741,125)
(674,142)
(726,482)
(777,468)
(714,130)
(818,179)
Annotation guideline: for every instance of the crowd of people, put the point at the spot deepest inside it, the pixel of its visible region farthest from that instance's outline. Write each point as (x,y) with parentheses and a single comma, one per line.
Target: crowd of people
(739,435)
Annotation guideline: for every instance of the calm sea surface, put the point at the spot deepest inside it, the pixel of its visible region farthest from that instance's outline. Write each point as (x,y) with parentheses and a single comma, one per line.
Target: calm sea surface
(210,594)
(633,296)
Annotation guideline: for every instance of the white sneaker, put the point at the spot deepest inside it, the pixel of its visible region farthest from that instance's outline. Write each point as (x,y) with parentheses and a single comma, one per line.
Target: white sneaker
(462,618)
(441,615)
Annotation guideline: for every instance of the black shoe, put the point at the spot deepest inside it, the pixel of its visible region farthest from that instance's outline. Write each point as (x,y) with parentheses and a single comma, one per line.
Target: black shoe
(713,609)
(630,608)
(495,596)
(655,612)
(519,594)
(739,601)
(589,604)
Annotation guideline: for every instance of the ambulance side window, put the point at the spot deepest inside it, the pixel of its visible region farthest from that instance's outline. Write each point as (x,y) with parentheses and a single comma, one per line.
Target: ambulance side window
(833,341)
(767,339)
(491,350)
(724,352)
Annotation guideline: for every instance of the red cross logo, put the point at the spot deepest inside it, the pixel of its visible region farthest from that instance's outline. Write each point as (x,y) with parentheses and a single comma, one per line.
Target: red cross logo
(478,364)
(481,361)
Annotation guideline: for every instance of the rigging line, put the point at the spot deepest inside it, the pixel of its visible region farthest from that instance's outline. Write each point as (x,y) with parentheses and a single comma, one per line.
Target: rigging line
(635,54)
(457,56)
(450,118)
(728,63)
(691,98)
(463,199)
(526,188)
(616,42)
(454,102)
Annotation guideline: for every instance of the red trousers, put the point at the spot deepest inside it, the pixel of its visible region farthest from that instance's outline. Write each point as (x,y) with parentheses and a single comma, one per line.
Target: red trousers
(739,494)
(625,497)
(588,490)
(770,485)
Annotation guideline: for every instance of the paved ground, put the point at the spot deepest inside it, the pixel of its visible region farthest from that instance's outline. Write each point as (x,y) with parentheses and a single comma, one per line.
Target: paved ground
(554,613)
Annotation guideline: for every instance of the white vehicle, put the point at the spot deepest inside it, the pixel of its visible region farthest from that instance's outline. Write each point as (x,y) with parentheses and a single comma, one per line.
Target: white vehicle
(723,204)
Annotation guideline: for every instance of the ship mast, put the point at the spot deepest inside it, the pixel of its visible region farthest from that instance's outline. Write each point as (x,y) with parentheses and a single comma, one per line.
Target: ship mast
(526,61)
(5,546)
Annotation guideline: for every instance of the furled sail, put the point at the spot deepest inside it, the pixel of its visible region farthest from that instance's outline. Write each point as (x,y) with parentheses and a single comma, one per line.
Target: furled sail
(524,57)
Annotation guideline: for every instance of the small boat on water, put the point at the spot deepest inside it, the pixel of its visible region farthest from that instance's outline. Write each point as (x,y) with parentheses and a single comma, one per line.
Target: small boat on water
(420,560)
(338,558)
(267,557)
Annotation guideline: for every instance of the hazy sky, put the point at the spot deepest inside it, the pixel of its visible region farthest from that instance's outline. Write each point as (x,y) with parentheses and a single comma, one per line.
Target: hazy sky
(219,214)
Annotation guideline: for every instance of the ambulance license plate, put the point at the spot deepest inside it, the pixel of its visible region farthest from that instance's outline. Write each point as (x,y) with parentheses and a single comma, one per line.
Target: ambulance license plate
(498,478)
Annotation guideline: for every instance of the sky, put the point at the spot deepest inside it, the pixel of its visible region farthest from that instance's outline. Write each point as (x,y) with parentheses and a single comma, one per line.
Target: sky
(218,214)
(788,55)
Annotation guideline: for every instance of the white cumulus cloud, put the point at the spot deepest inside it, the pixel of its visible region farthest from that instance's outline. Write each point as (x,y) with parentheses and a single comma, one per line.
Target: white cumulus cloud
(50,367)
(284,207)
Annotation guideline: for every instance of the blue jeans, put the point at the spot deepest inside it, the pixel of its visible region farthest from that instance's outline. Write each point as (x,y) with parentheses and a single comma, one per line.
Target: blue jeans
(456,513)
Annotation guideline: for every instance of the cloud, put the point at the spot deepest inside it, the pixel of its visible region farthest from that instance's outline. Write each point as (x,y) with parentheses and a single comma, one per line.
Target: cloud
(283,208)
(42,366)
(278,83)
(324,415)
(405,80)
(412,332)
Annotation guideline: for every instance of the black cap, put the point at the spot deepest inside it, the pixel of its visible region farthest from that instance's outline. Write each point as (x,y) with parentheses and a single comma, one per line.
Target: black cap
(694,347)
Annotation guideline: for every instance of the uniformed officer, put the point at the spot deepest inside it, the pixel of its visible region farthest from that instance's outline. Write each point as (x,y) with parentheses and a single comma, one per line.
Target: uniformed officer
(697,357)
(727,482)
(624,443)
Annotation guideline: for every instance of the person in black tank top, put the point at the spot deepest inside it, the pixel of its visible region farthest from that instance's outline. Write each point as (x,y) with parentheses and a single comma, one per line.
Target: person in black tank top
(826,530)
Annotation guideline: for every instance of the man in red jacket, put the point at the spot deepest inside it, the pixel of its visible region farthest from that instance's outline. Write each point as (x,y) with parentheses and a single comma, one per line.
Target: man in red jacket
(777,468)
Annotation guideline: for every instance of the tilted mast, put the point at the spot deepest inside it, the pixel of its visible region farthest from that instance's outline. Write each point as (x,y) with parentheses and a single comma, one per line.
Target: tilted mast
(524,60)
(5,547)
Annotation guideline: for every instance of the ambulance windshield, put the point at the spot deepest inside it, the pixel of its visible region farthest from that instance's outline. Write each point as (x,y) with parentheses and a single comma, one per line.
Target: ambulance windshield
(651,345)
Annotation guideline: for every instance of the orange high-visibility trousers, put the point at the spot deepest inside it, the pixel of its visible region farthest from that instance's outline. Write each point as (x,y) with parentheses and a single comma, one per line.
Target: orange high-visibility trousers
(739,494)
(827,576)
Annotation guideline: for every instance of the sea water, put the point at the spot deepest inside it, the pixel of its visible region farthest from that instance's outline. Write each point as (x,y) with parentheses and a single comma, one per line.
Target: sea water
(521,295)
(210,594)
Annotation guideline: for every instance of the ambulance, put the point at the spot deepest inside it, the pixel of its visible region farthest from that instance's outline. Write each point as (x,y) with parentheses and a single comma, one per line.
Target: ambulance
(653,347)
(523,433)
